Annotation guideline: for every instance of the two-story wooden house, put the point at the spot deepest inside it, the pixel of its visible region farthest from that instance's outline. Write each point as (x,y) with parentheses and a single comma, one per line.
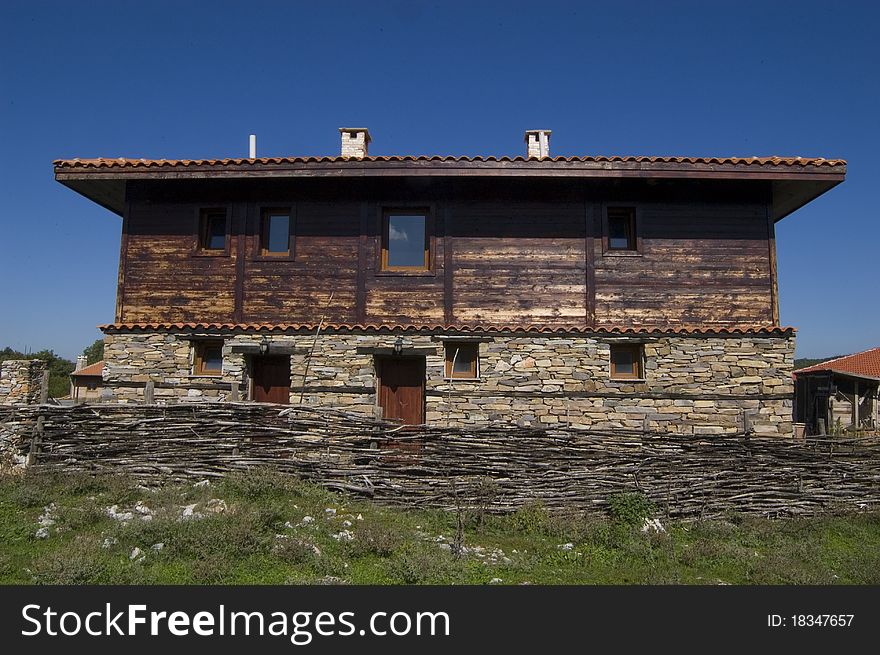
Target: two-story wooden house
(590,291)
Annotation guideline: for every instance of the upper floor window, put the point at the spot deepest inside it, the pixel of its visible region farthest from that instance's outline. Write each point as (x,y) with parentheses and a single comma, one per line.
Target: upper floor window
(208,357)
(462,360)
(405,241)
(212,230)
(626,362)
(622,228)
(275,232)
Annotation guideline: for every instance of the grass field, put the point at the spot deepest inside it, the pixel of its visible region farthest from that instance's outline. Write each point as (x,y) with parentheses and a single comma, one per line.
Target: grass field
(261,527)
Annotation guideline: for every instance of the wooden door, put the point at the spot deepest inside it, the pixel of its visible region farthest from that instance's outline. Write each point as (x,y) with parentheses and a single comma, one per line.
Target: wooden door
(272,379)
(402,388)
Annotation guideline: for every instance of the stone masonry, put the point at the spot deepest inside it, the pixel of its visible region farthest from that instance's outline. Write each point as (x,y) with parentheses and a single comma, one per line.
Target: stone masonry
(693,384)
(20,381)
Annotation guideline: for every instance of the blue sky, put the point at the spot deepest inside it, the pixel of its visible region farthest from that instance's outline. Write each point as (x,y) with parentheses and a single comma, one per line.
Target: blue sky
(186,79)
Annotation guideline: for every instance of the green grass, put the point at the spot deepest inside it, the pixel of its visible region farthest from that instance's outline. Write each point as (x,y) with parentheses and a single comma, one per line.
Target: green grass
(249,542)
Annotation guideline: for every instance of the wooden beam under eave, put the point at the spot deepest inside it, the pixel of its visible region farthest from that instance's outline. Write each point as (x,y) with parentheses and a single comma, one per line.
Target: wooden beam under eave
(453,169)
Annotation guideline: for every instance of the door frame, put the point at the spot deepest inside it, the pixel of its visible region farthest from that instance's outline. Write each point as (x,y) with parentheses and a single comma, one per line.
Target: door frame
(378,365)
(252,377)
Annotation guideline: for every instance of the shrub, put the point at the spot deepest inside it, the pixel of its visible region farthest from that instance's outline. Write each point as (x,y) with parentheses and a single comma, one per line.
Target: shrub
(375,539)
(212,569)
(420,563)
(531,518)
(80,562)
(630,507)
(294,550)
(259,483)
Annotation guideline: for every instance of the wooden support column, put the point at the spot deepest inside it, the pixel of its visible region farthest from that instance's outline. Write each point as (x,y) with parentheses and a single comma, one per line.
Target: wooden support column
(774,283)
(360,303)
(448,312)
(240,212)
(591,231)
(856,405)
(123,255)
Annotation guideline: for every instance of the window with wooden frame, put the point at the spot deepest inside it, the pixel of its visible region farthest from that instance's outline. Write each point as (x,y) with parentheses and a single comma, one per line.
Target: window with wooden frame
(275,233)
(462,360)
(208,357)
(212,230)
(626,362)
(621,232)
(406,242)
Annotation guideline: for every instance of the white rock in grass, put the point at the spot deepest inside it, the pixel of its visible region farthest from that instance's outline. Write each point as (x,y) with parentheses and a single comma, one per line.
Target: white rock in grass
(216,506)
(45,519)
(42,533)
(189,513)
(114,513)
(360,517)
(566,547)
(330,512)
(157,547)
(496,581)
(653,525)
(202,483)
(307,519)
(344,535)
(346,524)
(137,554)
(109,542)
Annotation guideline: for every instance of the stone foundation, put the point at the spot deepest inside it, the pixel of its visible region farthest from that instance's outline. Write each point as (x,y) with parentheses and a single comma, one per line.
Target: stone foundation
(20,381)
(693,384)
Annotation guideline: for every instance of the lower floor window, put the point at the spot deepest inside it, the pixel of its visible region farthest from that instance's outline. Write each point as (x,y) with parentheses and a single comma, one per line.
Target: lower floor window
(208,357)
(626,362)
(462,360)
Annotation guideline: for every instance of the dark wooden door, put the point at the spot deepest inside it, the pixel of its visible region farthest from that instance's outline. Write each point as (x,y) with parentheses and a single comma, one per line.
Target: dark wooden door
(402,388)
(272,379)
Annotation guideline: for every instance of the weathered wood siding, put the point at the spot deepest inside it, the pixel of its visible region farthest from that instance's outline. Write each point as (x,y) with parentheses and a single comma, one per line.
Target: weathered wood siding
(325,244)
(163,281)
(502,253)
(518,264)
(699,264)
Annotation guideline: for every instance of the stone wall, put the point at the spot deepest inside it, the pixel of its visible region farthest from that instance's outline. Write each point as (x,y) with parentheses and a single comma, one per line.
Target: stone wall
(20,381)
(692,384)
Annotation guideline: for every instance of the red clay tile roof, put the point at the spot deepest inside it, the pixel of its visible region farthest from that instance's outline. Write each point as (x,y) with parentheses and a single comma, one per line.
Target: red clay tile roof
(174,163)
(865,364)
(386,328)
(93,370)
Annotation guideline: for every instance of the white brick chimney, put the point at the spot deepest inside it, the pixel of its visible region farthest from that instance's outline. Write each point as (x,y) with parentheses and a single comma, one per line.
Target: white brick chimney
(81,361)
(538,143)
(355,141)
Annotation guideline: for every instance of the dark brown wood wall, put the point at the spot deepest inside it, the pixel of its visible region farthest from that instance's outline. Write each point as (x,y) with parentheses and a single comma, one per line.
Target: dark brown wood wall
(502,253)
(698,264)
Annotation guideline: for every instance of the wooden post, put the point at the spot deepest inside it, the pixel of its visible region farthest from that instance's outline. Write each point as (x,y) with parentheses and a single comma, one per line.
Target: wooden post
(148,392)
(233,393)
(856,406)
(746,422)
(821,426)
(44,388)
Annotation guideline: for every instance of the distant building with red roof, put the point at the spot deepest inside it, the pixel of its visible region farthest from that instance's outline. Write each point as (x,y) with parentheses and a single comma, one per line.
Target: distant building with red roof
(86,382)
(841,393)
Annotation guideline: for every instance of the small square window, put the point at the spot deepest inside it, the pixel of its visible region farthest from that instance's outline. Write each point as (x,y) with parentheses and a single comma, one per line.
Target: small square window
(405,241)
(275,232)
(621,228)
(212,230)
(626,362)
(462,360)
(208,357)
